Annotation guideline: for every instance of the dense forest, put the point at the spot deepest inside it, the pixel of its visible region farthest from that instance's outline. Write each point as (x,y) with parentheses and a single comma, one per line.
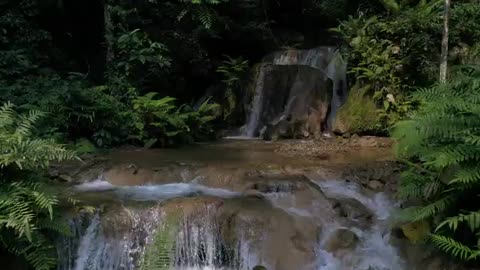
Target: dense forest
(80,76)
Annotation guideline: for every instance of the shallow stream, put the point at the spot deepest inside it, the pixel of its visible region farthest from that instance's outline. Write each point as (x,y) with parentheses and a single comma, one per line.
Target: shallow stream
(229,205)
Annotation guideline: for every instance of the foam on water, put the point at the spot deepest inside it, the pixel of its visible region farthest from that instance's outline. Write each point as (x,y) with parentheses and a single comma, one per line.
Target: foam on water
(378,204)
(155,192)
(374,250)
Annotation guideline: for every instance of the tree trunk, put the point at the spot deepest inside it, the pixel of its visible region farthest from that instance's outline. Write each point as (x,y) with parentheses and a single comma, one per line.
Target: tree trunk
(444,55)
(109,35)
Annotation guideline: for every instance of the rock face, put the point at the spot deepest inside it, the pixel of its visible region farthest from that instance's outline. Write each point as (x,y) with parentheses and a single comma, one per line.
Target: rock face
(341,239)
(294,102)
(297,94)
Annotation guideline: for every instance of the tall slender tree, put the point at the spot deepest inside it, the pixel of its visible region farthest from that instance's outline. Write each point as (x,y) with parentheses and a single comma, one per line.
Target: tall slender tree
(444,55)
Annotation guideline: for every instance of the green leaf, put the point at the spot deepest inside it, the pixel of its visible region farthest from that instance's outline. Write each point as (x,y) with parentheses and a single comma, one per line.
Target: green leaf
(150,143)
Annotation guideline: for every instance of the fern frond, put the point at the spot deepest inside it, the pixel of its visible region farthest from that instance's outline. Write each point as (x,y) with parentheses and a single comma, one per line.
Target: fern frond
(466,176)
(472,219)
(452,247)
(430,210)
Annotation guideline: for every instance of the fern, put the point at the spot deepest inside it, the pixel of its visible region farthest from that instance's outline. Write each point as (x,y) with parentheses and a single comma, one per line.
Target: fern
(27,215)
(160,119)
(160,252)
(472,219)
(443,142)
(452,247)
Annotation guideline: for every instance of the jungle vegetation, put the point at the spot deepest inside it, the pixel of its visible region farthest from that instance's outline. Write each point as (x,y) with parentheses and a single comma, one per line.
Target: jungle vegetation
(158,73)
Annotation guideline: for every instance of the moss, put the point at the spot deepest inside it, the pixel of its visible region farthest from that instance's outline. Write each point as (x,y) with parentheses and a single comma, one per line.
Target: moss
(359,114)
(84,146)
(416,232)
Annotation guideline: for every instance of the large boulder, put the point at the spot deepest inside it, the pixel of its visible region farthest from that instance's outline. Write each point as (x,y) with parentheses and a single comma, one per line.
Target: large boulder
(296,94)
(295,102)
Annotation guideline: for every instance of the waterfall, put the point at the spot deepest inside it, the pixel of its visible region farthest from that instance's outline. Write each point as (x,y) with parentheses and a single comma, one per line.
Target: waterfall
(107,242)
(257,105)
(374,250)
(328,63)
(120,237)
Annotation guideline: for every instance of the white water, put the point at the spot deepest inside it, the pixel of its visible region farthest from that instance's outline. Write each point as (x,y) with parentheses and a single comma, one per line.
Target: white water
(257,106)
(107,246)
(86,243)
(102,244)
(155,192)
(374,250)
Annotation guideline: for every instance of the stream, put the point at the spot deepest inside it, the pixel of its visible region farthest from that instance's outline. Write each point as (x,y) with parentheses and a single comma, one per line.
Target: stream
(228,205)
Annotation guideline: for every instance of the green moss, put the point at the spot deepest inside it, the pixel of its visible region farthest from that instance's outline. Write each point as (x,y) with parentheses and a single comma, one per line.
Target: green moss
(359,115)
(416,232)
(84,146)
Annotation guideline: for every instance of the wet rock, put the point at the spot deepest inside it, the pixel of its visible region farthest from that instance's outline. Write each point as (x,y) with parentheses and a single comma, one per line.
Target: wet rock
(341,239)
(339,127)
(133,168)
(259,267)
(53,172)
(65,178)
(254,194)
(353,210)
(375,185)
(296,99)
(275,183)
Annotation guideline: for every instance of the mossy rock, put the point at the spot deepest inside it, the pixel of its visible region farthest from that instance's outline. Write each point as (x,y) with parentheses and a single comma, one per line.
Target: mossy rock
(359,114)
(416,232)
(259,267)
(84,146)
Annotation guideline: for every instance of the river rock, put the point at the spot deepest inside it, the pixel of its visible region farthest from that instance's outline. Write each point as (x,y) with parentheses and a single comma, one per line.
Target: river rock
(341,239)
(275,183)
(375,185)
(65,178)
(354,211)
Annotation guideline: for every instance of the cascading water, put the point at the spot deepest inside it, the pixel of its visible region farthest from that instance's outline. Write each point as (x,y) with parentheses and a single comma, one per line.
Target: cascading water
(328,64)
(119,237)
(374,250)
(108,242)
(231,219)
(257,106)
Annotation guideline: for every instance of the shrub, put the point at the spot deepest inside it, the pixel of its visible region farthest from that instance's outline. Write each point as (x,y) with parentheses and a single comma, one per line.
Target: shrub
(161,120)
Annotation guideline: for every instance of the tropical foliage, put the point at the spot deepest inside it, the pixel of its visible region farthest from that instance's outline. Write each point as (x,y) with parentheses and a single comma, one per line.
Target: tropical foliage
(395,53)
(233,71)
(27,216)
(442,140)
(160,120)
(154,73)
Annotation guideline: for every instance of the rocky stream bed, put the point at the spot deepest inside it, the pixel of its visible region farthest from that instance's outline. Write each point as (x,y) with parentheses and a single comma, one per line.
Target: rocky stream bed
(241,204)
